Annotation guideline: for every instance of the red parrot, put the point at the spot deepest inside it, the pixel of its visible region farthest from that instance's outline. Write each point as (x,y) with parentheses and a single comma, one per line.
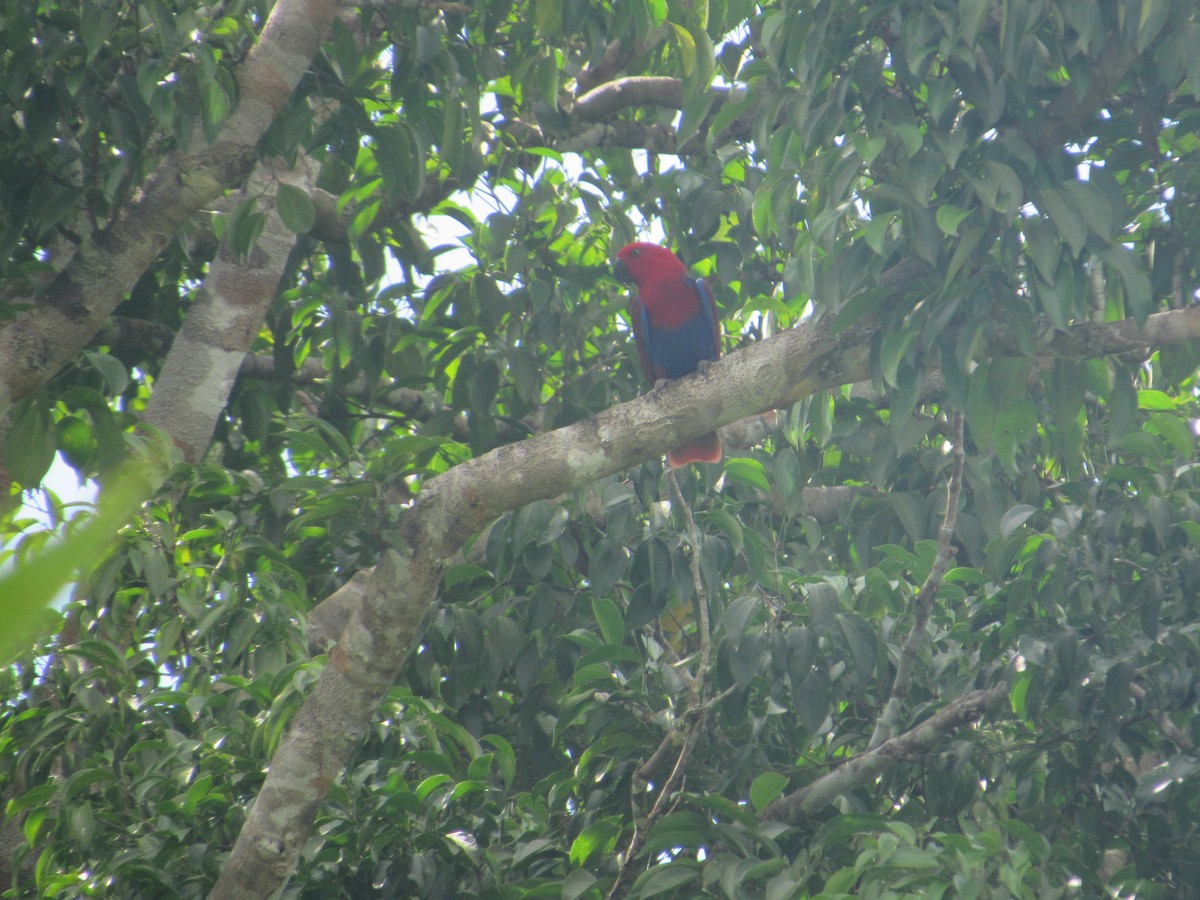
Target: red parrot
(675,327)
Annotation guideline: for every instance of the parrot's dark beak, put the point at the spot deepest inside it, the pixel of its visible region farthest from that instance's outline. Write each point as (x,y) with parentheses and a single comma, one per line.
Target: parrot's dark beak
(621,271)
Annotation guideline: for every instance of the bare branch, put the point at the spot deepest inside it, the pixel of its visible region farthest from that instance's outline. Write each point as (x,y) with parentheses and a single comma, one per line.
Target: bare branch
(866,767)
(885,726)
(693,720)
(636,90)
(616,58)
(620,133)
(698,689)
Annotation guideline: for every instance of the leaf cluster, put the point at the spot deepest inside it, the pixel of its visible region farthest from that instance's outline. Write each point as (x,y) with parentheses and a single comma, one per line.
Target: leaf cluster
(1033,163)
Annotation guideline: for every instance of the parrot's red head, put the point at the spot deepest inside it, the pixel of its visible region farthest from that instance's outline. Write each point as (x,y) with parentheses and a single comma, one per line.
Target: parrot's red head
(641,262)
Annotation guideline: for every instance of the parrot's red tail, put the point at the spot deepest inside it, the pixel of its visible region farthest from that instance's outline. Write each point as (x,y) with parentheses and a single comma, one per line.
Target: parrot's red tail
(706,448)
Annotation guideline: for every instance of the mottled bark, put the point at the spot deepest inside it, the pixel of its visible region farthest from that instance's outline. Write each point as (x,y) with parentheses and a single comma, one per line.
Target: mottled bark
(207,354)
(68,311)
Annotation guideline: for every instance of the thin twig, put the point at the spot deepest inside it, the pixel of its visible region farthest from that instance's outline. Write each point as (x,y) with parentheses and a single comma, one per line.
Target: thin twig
(886,725)
(699,686)
(689,725)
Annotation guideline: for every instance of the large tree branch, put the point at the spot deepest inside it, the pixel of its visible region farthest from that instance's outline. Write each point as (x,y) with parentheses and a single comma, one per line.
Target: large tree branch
(868,766)
(387,624)
(616,58)
(208,352)
(595,123)
(637,90)
(600,96)
(75,304)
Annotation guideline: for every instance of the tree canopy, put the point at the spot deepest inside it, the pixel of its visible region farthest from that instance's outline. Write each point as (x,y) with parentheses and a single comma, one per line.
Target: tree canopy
(388,592)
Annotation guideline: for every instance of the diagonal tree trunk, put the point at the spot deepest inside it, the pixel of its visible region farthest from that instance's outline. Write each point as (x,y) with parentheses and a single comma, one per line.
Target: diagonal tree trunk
(207,354)
(73,306)
(386,626)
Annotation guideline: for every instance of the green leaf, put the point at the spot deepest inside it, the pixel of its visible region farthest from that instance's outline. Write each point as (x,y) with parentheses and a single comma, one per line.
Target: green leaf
(76,442)
(556,524)
(31,442)
(608,563)
(695,111)
(868,148)
(548,18)
(747,471)
(746,659)
(244,227)
(1043,246)
(1136,283)
(706,57)
(686,46)
(949,217)
(1004,192)
(729,526)
(1179,361)
(295,208)
(1009,381)
(362,220)
(1178,432)
(1066,217)
(97,26)
(27,591)
(1014,426)
(112,370)
(963,252)
(802,651)
(215,109)
(814,696)
(766,788)
(861,639)
(1152,18)
(911,513)
(774,193)
(547,73)
(1139,443)
(400,155)
(598,838)
(609,618)
(666,878)
(1155,400)
(1088,197)
(464,573)
(892,351)
(911,138)
(737,614)
(679,829)
(1066,384)
(577,883)
(1015,518)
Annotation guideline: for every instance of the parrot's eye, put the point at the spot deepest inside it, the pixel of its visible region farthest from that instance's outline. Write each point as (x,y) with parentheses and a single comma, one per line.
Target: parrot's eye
(635,253)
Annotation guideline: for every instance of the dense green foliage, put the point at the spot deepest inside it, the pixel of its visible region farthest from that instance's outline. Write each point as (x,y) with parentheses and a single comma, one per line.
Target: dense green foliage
(1038,160)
